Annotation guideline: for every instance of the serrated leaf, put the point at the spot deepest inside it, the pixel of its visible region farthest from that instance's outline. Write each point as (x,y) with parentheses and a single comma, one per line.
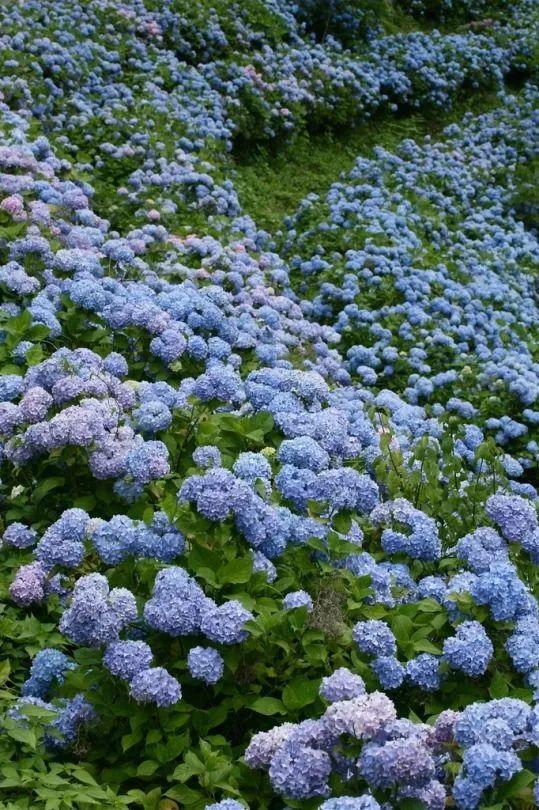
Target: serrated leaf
(147,767)
(299,693)
(237,571)
(426,646)
(268,706)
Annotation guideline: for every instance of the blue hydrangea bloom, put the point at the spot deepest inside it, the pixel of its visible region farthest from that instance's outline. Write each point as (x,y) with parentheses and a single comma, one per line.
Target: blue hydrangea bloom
(469,650)
(155,685)
(205,664)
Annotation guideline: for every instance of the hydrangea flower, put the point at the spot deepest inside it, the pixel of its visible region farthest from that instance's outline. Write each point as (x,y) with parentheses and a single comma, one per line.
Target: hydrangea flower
(155,685)
(205,664)
(125,659)
(298,599)
(374,637)
(469,650)
(341,685)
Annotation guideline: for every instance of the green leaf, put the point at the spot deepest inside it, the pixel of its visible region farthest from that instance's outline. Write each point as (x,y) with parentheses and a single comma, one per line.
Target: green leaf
(299,693)
(23,735)
(411,804)
(498,686)
(34,355)
(147,768)
(129,740)
(424,645)
(268,706)
(47,486)
(84,776)
(236,571)
(184,772)
(5,669)
(515,785)
(184,795)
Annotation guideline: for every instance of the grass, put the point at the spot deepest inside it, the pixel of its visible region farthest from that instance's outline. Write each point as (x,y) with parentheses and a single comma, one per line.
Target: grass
(272,181)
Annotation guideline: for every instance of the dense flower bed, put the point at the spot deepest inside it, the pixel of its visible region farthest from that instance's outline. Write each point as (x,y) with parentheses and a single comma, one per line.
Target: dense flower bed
(269,501)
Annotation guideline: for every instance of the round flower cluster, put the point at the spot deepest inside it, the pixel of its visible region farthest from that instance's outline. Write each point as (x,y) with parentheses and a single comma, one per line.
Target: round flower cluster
(381,350)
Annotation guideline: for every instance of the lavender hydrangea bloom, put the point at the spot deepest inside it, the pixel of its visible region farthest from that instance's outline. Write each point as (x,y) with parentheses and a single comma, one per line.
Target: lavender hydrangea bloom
(114,540)
(34,405)
(177,603)
(389,671)
(207,456)
(469,650)
(96,615)
(263,746)
(298,599)
(29,584)
(515,516)
(404,761)
(152,416)
(17,535)
(125,659)
(205,664)
(360,717)
(62,544)
(300,772)
(342,685)
(424,671)
(374,637)
(155,685)
(351,803)
(225,804)
(148,461)
(224,624)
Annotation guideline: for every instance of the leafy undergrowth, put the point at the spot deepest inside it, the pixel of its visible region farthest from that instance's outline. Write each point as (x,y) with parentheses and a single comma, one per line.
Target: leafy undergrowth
(272,181)
(269,418)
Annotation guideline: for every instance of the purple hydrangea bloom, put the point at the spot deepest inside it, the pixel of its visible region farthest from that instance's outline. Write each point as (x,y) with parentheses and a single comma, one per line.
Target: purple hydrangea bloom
(389,671)
(300,772)
(125,659)
(17,535)
(29,584)
(224,624)
(424,671)
(298,599)
(205,664)
(155,685)
(342,685)
(207,456)
(374,637)
(469,650)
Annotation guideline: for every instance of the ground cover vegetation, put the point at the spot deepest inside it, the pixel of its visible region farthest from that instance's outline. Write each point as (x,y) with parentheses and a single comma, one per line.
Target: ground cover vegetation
(269,405)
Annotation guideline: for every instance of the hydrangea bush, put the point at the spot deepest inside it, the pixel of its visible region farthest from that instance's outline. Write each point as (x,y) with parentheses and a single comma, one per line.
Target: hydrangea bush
(269,501)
